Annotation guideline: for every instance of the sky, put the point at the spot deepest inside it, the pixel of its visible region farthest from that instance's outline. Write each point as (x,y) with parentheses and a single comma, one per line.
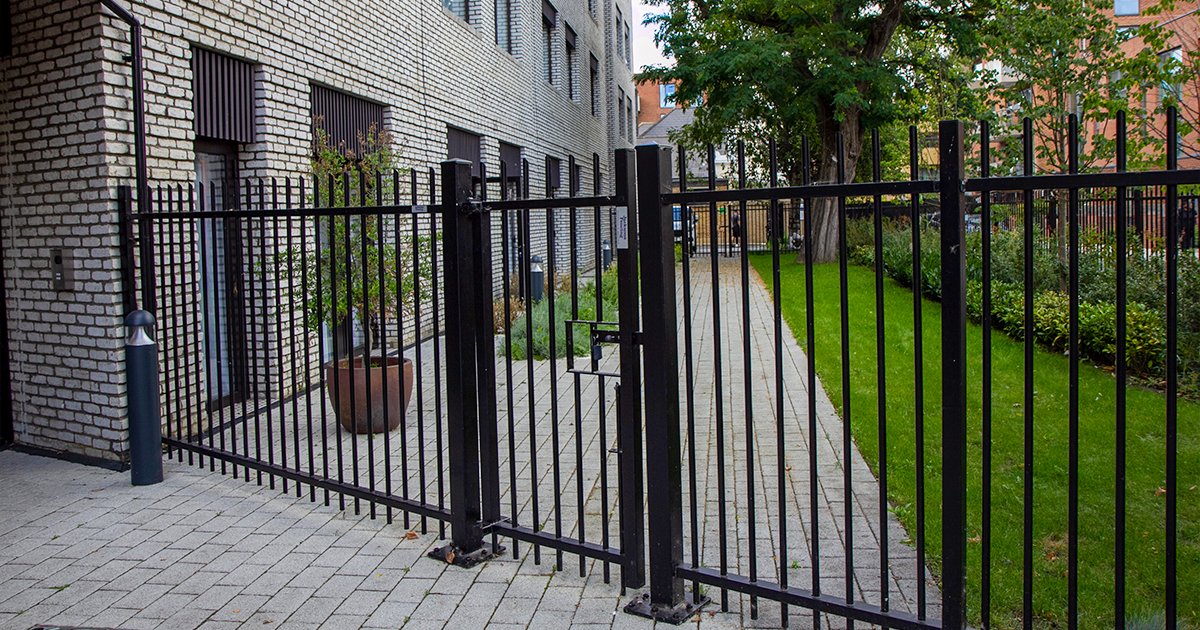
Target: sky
(644,51)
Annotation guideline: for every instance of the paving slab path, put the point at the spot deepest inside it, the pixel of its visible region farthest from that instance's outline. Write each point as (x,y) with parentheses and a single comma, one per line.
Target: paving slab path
(80,546)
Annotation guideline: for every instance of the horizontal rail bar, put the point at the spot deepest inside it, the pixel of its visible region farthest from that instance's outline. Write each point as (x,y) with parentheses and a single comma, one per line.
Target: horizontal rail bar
(861,189)
(568,545)
(554,203)
(1053,181)
(264,213)
(347,489)
(805,599)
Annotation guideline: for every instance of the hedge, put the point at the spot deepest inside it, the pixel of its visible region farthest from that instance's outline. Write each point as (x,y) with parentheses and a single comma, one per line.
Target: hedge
(1145,288)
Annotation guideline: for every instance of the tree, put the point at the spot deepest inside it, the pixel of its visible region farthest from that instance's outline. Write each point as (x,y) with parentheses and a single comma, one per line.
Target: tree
(823,68)
(1054,58)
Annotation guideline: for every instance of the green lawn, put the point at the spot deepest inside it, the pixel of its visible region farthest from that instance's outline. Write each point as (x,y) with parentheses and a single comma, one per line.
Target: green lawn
(1145,455)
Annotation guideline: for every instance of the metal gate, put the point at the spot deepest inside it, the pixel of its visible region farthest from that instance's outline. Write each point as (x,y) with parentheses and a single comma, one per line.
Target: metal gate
(665,421)
(491,500)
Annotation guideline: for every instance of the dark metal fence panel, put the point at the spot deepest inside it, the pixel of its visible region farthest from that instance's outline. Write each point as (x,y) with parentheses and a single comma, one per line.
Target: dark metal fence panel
(262,301)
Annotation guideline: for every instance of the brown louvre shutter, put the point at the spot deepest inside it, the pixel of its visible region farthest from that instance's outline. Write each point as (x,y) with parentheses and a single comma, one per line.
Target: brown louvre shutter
(343,117)
(510,156)
(463,145)
(222,97)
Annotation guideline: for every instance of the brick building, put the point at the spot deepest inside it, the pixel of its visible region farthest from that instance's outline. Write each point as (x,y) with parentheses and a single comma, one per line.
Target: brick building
(232,87)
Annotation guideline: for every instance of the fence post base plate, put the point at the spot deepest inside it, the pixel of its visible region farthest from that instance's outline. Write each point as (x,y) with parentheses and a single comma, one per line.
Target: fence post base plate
(674,615)
(453,555)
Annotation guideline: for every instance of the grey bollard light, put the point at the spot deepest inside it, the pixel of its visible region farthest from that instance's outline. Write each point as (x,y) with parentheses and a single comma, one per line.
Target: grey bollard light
(141,375)
(607,255)
(537,279)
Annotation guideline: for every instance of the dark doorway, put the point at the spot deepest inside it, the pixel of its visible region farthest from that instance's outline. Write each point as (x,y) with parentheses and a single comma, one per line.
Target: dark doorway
(221,275)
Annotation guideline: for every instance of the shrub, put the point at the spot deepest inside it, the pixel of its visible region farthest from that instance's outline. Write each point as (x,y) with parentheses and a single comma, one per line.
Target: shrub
(540,314)
(1145,290)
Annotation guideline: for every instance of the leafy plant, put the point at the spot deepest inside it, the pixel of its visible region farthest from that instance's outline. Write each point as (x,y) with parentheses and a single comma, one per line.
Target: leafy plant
(362,265)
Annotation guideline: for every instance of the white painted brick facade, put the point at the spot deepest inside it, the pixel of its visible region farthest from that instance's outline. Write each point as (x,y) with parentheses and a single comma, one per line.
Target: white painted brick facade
(66,145)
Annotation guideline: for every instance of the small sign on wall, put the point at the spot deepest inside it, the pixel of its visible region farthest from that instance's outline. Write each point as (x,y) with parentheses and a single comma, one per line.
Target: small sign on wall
(622,227)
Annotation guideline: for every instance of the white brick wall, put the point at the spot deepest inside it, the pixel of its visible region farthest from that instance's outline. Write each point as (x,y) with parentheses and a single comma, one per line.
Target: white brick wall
(66,144)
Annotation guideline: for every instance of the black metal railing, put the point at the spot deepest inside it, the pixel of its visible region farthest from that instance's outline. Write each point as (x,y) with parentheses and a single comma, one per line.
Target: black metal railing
(871,461)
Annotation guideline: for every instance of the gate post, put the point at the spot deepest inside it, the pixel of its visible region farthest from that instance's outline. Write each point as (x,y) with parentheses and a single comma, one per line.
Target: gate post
(954,376)
(630,482)
(466,546)
(664,476)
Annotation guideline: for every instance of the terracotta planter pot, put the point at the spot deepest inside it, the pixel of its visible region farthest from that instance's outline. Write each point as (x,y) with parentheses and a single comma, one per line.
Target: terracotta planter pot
(365,411)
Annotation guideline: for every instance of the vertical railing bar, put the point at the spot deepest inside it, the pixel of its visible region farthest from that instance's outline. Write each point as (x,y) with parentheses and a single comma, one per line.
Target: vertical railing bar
(485,361)
(526,231)
(1027,546)
(552,281)
(438,296)
(748,390)
(847,440)
(985,606)
(347,245)
(1073,378)
(508,371)
(269,268)
(811,384)
(880,380)
(318,252)
(954,375)
(251,405)
(719,412)
(167,364)
(199,312)
(292,330)
(334,326)
(776,220)
(307,345)
(1122,382)
(601,383)
(264,298)
(385,360)
(418,368)
(1172,234)
(573,186)
(685,221)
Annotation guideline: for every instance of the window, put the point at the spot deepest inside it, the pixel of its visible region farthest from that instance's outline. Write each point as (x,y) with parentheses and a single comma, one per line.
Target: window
(343,117)
(620,113)
(553,176)
(592,7)
(549,21)
(504,26)
(628,49)
(223,97)
(569,34)
(617,31)
(510,160)
(666,96)
(1171,90)
(458,8)
(595,84)
(629,121)
(1126,7)
(577,178)
(1125,33)
(464,145)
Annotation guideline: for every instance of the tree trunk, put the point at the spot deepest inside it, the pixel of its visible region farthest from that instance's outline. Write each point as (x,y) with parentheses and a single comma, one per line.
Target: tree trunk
(824,210)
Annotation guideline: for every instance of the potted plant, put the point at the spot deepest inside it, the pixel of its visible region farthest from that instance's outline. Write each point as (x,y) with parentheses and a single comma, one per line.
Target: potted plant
(361,270)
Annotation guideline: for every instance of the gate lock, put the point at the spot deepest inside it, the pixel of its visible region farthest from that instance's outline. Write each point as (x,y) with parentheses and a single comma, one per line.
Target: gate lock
(599,333)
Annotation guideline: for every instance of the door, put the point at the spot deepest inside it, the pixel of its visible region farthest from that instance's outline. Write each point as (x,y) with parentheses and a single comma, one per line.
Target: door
(220,256)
